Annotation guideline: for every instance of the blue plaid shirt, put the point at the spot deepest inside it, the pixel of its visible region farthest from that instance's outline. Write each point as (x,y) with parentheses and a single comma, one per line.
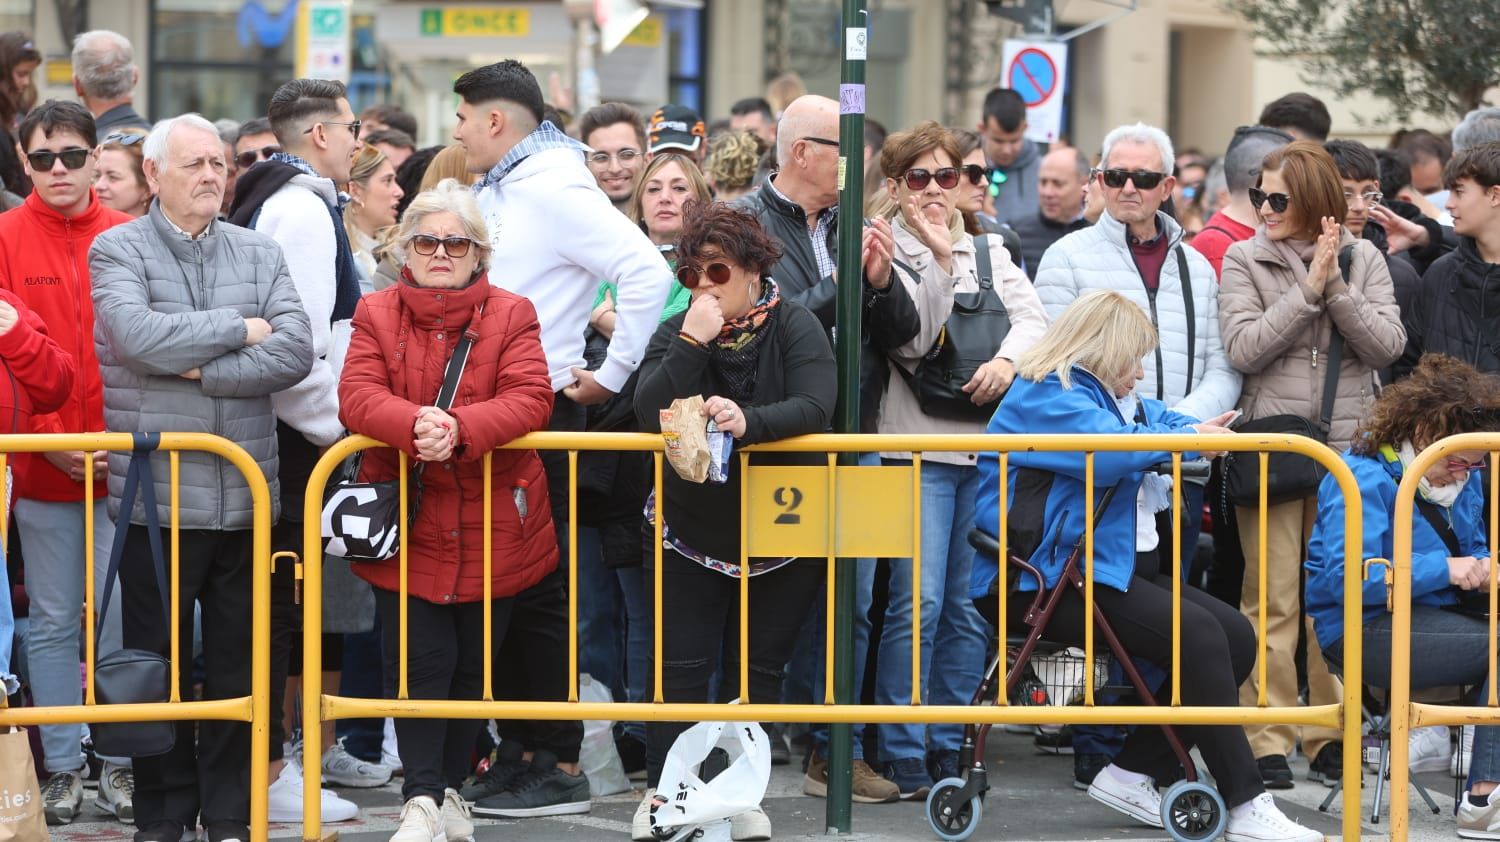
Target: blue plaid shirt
(543,137)
(295,161)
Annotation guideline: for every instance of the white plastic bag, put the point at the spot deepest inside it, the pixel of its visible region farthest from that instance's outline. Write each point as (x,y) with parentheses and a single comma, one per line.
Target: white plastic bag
(600,762)
(691,804)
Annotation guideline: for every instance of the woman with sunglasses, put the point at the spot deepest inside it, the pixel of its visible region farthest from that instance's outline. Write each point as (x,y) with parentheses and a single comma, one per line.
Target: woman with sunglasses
(119,176)
(403,340)
(1450,556)
(1282,301)
(936,259)
(766,372)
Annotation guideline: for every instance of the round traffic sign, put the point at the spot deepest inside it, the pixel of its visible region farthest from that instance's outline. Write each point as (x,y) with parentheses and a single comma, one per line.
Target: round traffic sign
(1032,75)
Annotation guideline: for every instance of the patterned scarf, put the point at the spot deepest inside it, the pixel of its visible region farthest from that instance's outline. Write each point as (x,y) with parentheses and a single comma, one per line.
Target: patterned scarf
(543,137)
(735,351)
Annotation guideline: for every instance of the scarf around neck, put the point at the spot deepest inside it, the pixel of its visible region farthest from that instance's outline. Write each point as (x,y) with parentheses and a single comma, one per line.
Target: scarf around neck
(736,348)
(1444,496)
(1298,254)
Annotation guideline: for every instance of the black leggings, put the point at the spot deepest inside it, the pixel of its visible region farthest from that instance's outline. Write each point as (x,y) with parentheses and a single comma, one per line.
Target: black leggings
(1217,641)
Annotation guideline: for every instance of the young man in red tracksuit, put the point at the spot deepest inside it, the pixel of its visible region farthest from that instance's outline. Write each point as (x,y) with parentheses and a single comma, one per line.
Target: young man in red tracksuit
(44,260)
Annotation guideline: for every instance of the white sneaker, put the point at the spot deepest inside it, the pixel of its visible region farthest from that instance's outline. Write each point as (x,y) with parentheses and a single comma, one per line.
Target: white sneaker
(640,824)
(456,824)
(1428,749)
(344,769)
(285,803)
(1138,799)
(750,826)
(1261,820)
(117,792)
(62,797)
(421,821)
(1459,767)
(1479,822)
(390,758)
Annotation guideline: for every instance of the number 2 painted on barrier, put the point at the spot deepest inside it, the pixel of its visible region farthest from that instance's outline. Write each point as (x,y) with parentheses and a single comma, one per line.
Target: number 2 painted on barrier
(790,499)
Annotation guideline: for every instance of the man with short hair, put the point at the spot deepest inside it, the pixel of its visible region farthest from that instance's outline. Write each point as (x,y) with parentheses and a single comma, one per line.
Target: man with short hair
(1301,115)
(196,348)
(1236,220)
(104,77)
(1482,125)
(615,134)
(1409,243)
(384,115)
(677,128)
(293,198)
(394,144)
(1136,249)
(754,115)
(254,143)
(535,185)
(1061,179)
(1015,162)
(44,246)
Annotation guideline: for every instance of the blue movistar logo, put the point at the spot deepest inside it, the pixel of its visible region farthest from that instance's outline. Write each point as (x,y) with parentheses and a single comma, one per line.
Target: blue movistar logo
(255,25)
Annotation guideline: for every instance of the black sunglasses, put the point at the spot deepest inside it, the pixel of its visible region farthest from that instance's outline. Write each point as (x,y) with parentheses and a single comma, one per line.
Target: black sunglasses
(247,158)
(821,141)
(690,275)
(122,139)
(1144,179)
(73,159)
(353,126)
(918,179)
(974,173)
(427,245)
(1279,201)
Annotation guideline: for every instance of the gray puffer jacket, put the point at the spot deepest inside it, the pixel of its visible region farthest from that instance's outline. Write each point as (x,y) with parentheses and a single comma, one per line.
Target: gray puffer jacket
(165,305)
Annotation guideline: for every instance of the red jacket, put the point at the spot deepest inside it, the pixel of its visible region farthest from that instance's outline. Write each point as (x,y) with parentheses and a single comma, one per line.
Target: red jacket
(39,372)
(403,336)
(44,260)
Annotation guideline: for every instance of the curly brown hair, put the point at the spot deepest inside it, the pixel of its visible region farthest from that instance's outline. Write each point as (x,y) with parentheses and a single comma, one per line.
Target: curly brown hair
(737,234)
(1443,396)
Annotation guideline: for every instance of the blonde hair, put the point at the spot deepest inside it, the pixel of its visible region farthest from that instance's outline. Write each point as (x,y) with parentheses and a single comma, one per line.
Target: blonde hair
(446,164)
(1102,332)
(733,158)
(636,209)
(366,163)
(449,196)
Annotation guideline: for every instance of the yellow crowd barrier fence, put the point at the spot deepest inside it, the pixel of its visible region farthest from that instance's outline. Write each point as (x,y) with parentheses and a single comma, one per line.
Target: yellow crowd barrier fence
(254,708)
(843,512)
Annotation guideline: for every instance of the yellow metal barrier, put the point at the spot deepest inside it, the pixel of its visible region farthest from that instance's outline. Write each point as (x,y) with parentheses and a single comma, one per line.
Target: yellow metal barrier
(791,511)
(1406,714)
(254,708)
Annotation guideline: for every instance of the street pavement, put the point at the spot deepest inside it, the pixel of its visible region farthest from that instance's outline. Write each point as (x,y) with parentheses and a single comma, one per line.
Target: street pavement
(1032,799)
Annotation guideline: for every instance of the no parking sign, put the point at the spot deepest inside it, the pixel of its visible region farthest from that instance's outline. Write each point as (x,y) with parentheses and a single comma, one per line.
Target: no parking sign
(1037,70)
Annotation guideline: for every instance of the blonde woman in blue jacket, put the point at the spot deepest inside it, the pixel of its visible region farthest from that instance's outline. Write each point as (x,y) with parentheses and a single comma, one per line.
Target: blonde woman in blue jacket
(1081,378)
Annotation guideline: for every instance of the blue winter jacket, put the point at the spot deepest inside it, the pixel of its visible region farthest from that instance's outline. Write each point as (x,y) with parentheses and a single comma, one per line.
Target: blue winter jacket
(1046,492)
(1377,480)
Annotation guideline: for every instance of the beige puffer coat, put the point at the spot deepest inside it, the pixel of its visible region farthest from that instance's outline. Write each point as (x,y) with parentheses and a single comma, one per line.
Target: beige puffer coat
(1276,331)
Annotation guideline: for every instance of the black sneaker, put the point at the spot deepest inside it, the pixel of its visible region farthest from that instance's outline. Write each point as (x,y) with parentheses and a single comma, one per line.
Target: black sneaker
(162,831)
(632,753)
(1049,741)
(942,764)
(542,790)
(1086,767)
(1328,767)
(507,767)
(781,752)
(1274,772)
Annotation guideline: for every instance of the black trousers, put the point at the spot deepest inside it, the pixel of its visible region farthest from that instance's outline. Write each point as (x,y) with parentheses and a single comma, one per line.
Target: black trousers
(1218,649)
(208,777)
(445,660)
(533,663)
(701,615)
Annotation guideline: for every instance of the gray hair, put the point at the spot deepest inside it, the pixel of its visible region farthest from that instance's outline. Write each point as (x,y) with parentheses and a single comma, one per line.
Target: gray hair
(1140,133)
(1482,125)
(1247,154)
(104,64)
(155,147)
(1081,165)
(1213,182)
(447,197)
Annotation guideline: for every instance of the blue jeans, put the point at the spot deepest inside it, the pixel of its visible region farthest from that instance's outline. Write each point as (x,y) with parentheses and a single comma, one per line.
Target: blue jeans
(1447,649)
(950,623)
(635,592)
(601,616)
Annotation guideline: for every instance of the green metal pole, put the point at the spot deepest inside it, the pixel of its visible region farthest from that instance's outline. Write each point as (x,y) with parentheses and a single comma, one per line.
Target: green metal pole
(847,340)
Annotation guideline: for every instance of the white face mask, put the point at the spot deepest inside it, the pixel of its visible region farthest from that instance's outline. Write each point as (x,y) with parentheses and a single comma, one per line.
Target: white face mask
(1444,496)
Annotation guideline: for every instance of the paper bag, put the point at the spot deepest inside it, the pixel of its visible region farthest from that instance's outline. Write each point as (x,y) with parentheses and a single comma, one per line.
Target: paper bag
(686,435)
(21,818)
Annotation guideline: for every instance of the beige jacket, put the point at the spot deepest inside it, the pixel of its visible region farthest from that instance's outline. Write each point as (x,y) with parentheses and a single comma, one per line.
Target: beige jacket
(933,297)
(1276,331)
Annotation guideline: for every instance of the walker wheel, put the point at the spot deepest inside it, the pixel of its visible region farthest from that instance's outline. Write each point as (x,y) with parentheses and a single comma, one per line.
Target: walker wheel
(1193,811)
(952,819)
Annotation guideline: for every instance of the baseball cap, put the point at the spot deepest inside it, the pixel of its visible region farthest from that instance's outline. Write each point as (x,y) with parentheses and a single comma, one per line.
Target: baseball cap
(675,127)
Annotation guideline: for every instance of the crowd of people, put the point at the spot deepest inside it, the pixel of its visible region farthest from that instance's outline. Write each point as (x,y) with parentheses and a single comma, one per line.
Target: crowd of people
(312,273)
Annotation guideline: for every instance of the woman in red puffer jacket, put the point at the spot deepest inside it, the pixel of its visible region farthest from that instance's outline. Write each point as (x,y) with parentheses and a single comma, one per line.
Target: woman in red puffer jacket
(403,338)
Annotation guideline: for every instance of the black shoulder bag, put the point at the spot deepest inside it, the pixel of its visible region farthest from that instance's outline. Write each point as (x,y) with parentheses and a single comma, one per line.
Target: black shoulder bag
(132,676)
(970,338)
(362,520)
(1288,475)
